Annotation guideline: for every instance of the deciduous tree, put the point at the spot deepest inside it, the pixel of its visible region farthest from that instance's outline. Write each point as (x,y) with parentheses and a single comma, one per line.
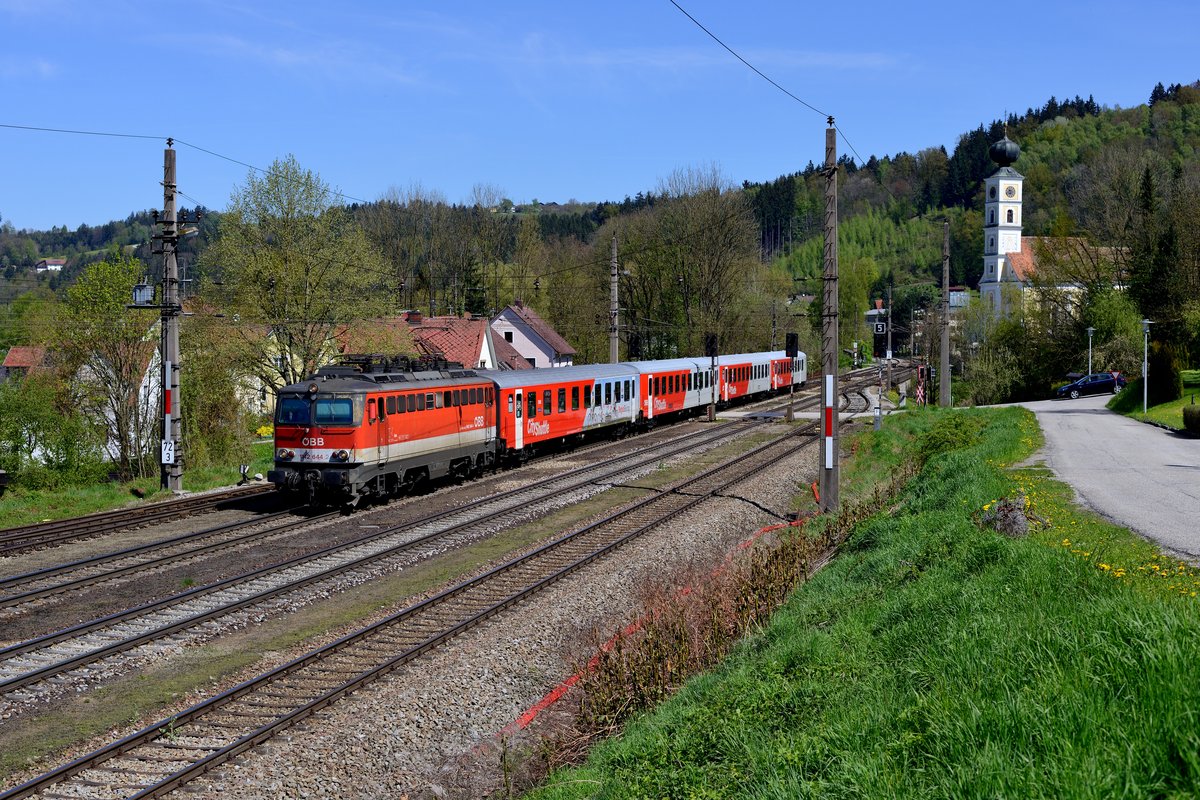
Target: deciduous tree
(297,269)
(106,351)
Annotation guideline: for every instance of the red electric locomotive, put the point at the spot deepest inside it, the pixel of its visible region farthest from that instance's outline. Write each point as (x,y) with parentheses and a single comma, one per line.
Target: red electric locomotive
(374,426)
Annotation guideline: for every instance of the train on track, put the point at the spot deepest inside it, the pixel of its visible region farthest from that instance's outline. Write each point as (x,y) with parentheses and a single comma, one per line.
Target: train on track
(373,427)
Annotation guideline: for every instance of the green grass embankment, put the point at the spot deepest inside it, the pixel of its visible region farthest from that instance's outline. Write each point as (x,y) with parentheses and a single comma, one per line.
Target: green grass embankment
(937,658)
(1129,402)
(21,506)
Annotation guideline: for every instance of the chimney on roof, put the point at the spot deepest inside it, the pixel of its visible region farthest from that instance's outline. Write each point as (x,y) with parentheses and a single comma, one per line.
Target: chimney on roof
(879,304)
(413,317)
(519,303)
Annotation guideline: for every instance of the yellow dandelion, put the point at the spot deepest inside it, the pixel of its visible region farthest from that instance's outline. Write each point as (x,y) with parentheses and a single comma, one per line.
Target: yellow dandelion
(1105,567)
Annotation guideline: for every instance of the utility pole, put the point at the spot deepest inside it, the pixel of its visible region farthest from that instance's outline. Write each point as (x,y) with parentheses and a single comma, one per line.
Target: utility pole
(172,433)
(614,310)
(944,399)
(889,339)
(829,331)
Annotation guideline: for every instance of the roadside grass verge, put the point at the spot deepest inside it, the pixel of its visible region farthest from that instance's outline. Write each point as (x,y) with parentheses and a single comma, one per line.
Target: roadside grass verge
(936,657)
(22,506)
(1129,402)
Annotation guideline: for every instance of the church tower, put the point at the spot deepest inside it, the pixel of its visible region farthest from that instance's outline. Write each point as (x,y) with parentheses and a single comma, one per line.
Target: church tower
(1001,224)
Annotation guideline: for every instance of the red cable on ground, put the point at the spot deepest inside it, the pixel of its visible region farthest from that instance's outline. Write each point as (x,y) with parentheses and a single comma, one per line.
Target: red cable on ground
(556,694)
(816,493)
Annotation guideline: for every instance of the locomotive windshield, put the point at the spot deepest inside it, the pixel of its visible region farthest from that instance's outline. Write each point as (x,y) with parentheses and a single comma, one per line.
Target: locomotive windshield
(293,410)
(335,409)
(322,409)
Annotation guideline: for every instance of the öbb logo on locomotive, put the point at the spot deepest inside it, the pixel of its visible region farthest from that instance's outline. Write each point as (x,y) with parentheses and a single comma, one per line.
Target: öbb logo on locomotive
(372,426)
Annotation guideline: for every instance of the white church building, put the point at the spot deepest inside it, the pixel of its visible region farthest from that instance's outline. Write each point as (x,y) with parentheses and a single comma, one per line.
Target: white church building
(1002,283)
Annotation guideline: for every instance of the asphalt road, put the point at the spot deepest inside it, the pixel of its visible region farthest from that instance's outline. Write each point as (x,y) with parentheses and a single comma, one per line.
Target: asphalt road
(1134,474)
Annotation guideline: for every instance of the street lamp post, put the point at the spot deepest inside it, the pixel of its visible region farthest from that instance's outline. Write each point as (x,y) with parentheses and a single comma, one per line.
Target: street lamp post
(1145,363)
(1090,332)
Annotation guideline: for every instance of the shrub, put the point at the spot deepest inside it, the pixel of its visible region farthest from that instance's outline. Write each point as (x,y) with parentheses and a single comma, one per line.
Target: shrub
(949,432)
(1191,419)
(1166,381)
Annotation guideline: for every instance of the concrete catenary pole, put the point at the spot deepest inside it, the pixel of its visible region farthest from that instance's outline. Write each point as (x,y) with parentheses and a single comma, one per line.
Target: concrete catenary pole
(614,309)
(172,435)
(829,333)
(944,399)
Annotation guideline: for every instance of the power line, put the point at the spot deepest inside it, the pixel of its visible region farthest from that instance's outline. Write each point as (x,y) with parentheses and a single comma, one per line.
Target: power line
(80,133)
(771,81)
(736,55)
(111,134)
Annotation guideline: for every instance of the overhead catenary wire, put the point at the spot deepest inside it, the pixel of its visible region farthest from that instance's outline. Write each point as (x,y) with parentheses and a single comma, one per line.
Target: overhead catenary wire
(774,83)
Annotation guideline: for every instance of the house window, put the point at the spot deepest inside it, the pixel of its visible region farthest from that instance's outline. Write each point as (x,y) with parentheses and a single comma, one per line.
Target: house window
(508,336)
(1010,215)
(992,217)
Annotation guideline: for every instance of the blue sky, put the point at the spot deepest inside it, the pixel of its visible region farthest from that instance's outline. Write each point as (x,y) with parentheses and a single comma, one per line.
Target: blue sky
(542,100)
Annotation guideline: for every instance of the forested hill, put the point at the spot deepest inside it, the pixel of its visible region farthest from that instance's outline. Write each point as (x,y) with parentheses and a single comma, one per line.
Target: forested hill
(891,208)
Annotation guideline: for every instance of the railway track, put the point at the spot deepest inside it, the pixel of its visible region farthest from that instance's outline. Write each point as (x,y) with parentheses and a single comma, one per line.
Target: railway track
(51,658)
(166,755)
(47,534)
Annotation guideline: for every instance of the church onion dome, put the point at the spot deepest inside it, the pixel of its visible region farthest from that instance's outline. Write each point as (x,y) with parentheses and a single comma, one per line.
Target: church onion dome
(1004,152)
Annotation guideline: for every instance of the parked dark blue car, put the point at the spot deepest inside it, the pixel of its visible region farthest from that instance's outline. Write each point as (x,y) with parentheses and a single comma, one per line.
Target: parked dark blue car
(1096,383)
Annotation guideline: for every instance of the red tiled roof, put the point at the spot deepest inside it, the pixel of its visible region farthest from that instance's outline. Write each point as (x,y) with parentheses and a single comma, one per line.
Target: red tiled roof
(1023,262)
(542,329)
(24,357)
(453,338)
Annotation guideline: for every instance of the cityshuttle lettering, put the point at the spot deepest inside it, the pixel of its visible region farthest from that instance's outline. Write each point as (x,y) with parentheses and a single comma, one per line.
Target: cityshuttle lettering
(538,428)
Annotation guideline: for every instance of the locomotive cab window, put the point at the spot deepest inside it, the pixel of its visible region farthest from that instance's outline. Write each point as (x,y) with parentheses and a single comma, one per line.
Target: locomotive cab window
(292,411)
(337,409)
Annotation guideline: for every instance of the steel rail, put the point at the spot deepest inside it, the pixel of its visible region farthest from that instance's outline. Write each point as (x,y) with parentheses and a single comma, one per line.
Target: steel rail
(47,533)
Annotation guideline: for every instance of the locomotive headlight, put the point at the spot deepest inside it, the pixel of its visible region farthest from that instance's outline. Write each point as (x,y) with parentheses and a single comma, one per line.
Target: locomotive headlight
(283,454)
(340,455)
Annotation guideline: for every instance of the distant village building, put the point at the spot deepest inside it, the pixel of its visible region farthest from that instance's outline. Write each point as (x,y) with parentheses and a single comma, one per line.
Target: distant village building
(50,265)
(531,336)
(20,361)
